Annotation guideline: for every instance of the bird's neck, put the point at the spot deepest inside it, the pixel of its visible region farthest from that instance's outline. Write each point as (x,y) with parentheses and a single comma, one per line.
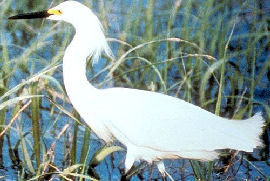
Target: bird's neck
(74,69)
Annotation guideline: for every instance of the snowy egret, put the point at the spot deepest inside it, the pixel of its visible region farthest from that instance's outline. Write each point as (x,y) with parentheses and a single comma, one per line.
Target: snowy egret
(152,126)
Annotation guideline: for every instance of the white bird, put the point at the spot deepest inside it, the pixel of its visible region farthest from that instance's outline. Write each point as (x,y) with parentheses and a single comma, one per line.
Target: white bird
(152,126)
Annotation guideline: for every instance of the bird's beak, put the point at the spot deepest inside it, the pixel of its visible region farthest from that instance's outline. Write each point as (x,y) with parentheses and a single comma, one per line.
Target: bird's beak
(34,15)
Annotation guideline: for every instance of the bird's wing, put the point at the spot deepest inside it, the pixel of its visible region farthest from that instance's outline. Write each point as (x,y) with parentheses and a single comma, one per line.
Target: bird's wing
(159,121)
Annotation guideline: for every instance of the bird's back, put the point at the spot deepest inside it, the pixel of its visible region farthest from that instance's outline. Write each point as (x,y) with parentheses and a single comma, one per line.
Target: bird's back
(165,123)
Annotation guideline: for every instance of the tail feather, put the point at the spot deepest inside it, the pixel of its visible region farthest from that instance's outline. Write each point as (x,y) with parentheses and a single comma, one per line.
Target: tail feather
(251,130)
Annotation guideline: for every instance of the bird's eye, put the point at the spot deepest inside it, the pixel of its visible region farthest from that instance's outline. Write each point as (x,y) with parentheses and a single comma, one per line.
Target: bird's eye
(54,12)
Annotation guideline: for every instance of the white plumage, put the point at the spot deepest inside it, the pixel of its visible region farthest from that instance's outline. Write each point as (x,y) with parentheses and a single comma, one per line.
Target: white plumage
(152,126)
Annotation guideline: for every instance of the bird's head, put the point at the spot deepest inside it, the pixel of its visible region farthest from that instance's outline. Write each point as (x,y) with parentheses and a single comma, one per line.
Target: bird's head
(82,18)
(69,11)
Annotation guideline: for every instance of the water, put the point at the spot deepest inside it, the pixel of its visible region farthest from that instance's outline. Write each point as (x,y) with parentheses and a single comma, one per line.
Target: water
(52,121)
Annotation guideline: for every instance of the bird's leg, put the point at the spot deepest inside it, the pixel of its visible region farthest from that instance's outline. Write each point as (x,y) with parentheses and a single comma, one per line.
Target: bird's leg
(129,161)
(162,170)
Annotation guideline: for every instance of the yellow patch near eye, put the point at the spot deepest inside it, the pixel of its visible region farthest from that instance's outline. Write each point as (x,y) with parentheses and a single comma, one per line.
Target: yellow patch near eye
(54,12)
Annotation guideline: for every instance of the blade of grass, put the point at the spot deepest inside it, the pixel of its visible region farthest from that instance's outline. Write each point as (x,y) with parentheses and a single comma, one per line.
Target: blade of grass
(35,121)
(85,146)
(16,100)
(103,152)
(74,141)
(25,151)
(222,72)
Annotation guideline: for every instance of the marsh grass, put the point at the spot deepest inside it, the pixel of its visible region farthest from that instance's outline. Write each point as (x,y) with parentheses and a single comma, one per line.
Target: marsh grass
(214,54)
